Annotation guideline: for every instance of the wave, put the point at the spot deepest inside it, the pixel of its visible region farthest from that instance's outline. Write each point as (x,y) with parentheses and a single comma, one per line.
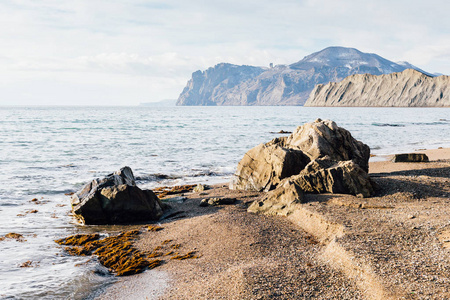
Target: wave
(156,177)
(387,125)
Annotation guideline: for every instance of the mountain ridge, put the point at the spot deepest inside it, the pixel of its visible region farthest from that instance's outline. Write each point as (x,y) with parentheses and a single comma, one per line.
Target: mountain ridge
(409,88)
(228,84)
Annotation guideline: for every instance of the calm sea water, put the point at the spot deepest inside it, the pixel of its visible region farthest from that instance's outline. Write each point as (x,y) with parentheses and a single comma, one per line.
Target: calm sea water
(47,152)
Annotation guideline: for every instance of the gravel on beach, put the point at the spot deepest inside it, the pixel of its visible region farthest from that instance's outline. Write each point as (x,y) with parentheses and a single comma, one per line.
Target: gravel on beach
(395,245)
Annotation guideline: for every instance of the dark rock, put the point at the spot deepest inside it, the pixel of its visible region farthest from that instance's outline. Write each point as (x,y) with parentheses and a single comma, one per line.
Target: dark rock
(115,199)
(410,157)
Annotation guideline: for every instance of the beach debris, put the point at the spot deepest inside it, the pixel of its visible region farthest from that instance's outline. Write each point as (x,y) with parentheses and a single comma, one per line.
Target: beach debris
(217,201)
(118,254)
(35,201)
(29,211)
(13,236)
(188,255)
(79,239)
(410,157)
(317,157)
(164,191)
(115,199)
(200,188)
(154,228)
(29,264)
(114,252)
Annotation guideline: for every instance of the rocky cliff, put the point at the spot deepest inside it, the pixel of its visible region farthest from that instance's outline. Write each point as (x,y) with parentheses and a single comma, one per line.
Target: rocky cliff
(227,84)
(407,88)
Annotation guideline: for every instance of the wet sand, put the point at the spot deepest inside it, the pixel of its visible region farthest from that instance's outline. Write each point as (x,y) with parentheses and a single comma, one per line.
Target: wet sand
(395,245)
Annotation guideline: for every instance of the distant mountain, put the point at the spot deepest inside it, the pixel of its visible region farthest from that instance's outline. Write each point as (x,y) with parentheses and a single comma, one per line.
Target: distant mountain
(227,84)
(409,88)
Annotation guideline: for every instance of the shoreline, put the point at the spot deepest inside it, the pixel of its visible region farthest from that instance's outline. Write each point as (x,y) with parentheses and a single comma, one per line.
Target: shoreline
(245,256)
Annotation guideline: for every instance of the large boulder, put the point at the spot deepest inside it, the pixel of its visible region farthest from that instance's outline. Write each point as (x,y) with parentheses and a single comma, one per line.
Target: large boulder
(324,138)
(265,165)
(115,199)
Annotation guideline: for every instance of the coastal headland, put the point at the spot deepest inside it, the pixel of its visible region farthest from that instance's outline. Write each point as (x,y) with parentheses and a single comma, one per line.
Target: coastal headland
(393,245)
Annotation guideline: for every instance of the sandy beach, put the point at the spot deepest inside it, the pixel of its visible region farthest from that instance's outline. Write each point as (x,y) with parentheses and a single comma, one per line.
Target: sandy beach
(394,245)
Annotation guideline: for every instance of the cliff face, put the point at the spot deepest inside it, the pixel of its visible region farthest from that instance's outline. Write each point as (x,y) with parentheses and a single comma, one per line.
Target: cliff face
(403,89)
(210,86)
(227,84)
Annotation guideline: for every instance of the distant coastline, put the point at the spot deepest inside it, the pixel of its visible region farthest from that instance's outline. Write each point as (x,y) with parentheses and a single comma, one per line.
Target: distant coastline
(162,103)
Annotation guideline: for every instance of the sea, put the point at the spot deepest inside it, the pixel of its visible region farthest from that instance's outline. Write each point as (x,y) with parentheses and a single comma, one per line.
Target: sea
(49,152)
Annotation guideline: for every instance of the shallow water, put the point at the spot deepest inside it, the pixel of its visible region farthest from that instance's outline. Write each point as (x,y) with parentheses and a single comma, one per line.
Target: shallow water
(46,152)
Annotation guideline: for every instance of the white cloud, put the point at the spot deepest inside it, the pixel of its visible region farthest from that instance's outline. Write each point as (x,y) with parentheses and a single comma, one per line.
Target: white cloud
(148,49)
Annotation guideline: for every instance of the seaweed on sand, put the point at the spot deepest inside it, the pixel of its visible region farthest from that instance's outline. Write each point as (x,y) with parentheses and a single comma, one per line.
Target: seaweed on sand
(114,252)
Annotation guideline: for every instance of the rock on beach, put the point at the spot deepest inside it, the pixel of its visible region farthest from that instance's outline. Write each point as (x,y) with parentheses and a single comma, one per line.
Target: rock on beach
(317,157)
(115,199)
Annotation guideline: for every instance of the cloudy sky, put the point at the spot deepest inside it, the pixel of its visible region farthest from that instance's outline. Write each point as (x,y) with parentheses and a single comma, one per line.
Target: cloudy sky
(95,52)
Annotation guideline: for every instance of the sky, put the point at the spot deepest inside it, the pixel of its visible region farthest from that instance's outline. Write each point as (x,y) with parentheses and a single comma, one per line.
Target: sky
(95,52)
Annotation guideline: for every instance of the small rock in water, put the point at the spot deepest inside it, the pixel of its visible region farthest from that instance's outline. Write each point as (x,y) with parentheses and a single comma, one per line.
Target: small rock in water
(284,131)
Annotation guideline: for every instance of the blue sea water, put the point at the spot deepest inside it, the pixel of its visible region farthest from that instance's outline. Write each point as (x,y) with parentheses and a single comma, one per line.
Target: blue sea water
(46,152)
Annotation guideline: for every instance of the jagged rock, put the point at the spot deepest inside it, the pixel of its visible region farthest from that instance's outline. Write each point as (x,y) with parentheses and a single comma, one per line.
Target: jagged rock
(410,157)
(264,166)
(324,138)
(115,199)
(344,177)
(280,201)
(409,88)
